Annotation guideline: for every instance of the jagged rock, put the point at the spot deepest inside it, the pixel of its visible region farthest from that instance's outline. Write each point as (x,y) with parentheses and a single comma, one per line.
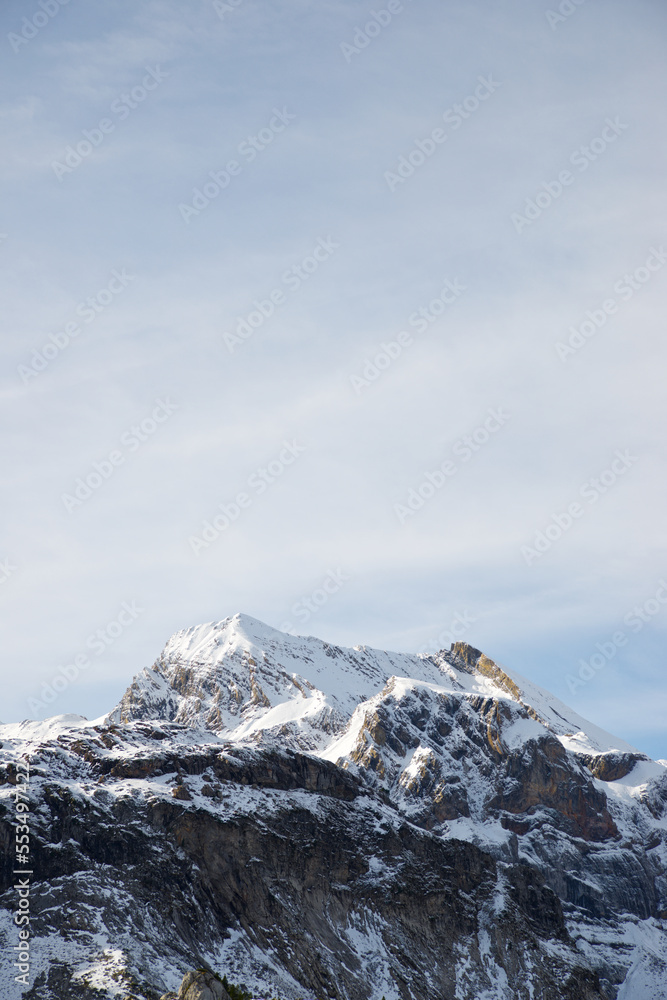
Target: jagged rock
(181,792)
(611,766)
(202,985)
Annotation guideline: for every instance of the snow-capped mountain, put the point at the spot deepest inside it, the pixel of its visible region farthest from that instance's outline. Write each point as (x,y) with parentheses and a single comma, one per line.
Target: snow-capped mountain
(352,823)
(245,679)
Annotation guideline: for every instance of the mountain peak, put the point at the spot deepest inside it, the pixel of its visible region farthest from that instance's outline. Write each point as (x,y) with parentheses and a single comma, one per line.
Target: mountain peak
(244,679)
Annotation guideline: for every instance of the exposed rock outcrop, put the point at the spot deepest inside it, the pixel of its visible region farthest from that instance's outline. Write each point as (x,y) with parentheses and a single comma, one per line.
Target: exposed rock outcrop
(444,835)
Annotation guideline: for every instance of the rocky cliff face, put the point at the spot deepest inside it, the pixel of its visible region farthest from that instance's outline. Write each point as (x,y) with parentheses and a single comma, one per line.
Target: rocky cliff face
(329,823)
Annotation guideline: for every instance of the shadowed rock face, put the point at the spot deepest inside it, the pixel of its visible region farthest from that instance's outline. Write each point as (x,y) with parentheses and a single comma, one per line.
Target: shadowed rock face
(440,842)
(543,775)
(611,766)
(449,734)
(297,880)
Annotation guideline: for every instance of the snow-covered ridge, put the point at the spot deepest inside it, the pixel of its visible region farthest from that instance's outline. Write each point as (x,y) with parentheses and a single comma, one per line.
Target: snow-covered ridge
(246,680)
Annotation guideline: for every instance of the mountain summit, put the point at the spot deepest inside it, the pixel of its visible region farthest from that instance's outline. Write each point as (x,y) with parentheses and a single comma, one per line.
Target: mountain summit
(340,823)
(245,679)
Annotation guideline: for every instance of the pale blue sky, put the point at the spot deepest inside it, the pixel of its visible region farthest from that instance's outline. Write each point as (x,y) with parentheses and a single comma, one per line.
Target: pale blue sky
(198,83)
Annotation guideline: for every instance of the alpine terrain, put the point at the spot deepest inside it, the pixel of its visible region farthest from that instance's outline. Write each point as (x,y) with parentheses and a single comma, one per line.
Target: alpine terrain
(319,822)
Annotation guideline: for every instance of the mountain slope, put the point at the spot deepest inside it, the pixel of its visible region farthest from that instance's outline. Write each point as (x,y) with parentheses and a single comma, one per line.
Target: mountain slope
(344,823)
